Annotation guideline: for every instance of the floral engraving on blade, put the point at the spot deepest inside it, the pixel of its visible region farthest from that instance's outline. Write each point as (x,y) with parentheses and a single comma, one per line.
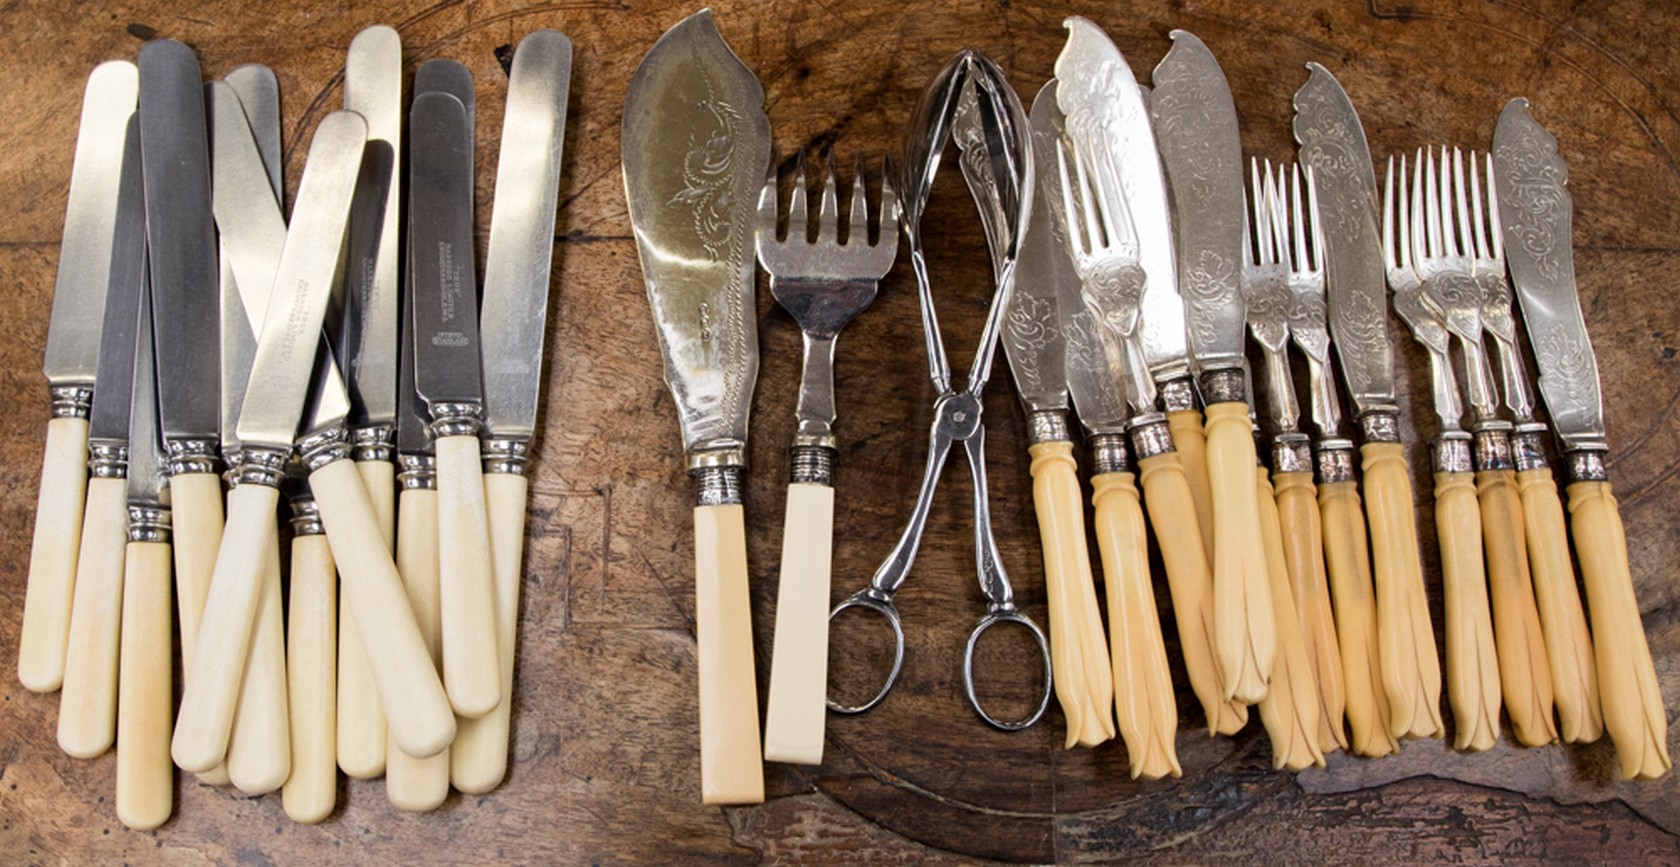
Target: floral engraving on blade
(1116,293)
(1268,311)
(1566,365)
(1088,356)
(1534,202)
(1306,324)
(1029,327)
(1209,285)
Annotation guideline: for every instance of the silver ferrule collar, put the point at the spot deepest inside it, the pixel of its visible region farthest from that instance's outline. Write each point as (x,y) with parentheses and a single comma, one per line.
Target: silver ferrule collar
(1151,436)
(1528,447)
(323,447)
(1493,447)
(506,455)
(71,401)
(108,459)
(148,524)
(417,472)
(1380,426)
(1292,453)
(718,453)
(259,465)
(457,419)
(812,465)
(1450,453)
(306,516)
(1225,385)
(1178,394)
(373,443)
(230,467)
(718,486)
(1109,454)
(1047,426)
(1335,461)
(191,456)
(1585,465)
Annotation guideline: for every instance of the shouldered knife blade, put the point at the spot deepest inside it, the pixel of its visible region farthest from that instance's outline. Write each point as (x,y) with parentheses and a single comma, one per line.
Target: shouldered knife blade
(113,391)
(446,340)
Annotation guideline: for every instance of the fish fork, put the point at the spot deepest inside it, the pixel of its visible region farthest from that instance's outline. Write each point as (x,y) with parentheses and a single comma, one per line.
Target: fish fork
(823,284)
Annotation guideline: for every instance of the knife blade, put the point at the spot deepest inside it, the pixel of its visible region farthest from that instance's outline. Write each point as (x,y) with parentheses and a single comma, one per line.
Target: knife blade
(695,147)
(517,273)
(70,363)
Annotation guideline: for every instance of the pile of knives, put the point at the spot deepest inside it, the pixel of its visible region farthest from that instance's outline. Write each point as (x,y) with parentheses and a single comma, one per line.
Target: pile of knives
(336,359)
(1294,570)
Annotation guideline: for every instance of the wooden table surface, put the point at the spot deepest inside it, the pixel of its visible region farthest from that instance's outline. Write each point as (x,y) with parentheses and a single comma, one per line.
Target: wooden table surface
(605,764)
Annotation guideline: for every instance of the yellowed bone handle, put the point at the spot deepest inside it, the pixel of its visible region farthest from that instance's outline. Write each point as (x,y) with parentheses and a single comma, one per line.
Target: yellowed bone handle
(362,732)
(380,480)
(731,766)
(1524,670)
(87,706)
(311,790)
(1303,551)
(259,756)
(52,555)
(1189,437)
(1243,625)
(1172,513)
(470,671)
(1473,689)
(1627,680)
(410,783)
(1290,711)
(145,775)
(1347,565)
(1081,665)
(211,693)
(1143,692)
(1569,647)
(794,720)
(1410,665)
(478,758)
(197,521)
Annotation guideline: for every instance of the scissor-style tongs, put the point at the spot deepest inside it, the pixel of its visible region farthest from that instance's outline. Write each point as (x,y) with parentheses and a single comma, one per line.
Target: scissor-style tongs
(968,102)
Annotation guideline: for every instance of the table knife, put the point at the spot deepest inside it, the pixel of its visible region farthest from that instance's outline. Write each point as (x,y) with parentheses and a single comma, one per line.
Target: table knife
(1332,143)
(513,319)
(87,706)
(1536,213)
(71,363)
(695,147)
(1195,123)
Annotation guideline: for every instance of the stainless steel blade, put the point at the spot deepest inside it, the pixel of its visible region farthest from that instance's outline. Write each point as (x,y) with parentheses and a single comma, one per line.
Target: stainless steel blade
(1195,125)
(292,324)
(440,186)
(1100,96)
(1032,326)
(84,257)
(368,343)
(1536,212)
(1333,143)
(148,476)
(181,238)
(112,394)
(695,147)
(518,266)
(259,93)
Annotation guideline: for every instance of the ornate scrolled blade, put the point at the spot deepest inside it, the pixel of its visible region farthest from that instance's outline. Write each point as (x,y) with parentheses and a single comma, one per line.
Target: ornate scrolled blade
(1333,143)
(1536,212)
(1034,325)
(695,146)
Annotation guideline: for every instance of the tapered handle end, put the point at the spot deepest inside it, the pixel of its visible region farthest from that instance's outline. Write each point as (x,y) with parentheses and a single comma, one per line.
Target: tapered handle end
(311,790)
(87,706)
(471,673)
(145,775)
(1473,688)
(1569,647)
(478,758)
(1244,628)
(1523,668)
(259,754)
(1347,565)
(1411,667)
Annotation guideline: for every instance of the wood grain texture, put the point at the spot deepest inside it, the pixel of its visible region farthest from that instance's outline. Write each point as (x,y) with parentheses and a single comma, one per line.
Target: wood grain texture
(604,763)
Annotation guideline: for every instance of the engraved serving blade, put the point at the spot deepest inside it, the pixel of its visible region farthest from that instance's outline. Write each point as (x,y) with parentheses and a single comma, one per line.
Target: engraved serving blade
(695,147)
(148,476)
(446,340)
(1333,143)
(1032,325)
(1101,100)
(1195,125)
(519,263)
(113,389)
(84,259)
(1536,211)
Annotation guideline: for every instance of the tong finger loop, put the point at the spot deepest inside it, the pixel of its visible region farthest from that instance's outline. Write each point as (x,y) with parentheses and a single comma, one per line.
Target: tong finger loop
(1006,614)
(872,599)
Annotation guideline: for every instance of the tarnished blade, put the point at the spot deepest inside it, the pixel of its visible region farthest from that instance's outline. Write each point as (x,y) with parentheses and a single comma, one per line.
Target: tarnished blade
(148,477)
(1536,212)
(367,340)
(1333,144)
(84,257)
(446,341)
(113,393)
(695,147)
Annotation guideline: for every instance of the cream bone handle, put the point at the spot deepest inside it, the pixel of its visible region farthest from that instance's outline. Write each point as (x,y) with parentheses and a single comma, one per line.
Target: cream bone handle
(1290,712)
(471,673)
(1473,689)
(87,706)
(478,758)
(1347,565)
(410,783)
(1627,679)
(259,753)
(794,720)
(731,764)
(1170,504)
(145,775)
(52,555)
(362,741)
(1524,671)
(1082,668)
(311,790)
(1190,438)
(1303,550)
(1244,629)
(195,562)
(1569,647)
(1410,666)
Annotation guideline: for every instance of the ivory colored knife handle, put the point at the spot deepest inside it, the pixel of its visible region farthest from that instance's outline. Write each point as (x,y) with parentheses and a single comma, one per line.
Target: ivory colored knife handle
(471,673)
(1347,564)
(1244,629)
(411,783)
(1143,692)
(87,707)
(1523,668)
(1303,552)
(52,555)
(311,790)
(1627,680)
(259,756)
(478,758)
(1290,711)
(1082,669)
(211,694)
(416,708)
(1172,512)
(1569,647)
(362,730)
(197,522)
(731,767)
(145,775)
(1411,668)
(793,723)
(1473,689)
(1189,438)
